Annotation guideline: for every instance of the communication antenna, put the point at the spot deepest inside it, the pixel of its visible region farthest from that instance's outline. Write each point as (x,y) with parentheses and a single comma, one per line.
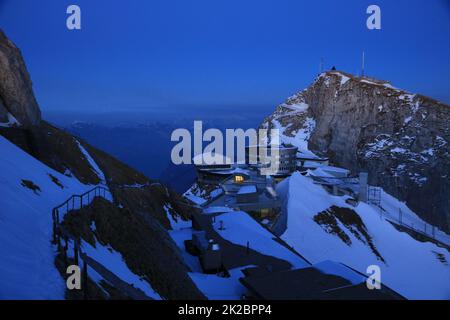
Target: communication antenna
(321,65)
(363,62)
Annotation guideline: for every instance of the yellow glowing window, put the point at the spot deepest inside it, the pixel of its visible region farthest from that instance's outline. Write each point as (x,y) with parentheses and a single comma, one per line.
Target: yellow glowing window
(238,179)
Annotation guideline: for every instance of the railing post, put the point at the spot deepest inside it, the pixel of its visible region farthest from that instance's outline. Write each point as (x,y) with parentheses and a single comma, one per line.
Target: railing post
(66,246)
(75,251)
(59,241)
(85,280)
(54,225)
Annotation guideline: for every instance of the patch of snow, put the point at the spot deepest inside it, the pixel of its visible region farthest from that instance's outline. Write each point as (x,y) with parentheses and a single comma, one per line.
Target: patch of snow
(176,222)
(429,151)
(216,209)
(382,142)
(407,120)
(12,122)
(300,140)
(388,85)
(440,142)
(195,199)
(408,97)
(399,150)
(114,262)
(218,288)
(344,79)
(415,107)
(299,107)
(93,164)
(240,228)
(247,189)
(212,286)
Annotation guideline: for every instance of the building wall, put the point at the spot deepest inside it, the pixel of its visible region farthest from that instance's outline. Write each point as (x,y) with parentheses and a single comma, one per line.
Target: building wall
(286,158)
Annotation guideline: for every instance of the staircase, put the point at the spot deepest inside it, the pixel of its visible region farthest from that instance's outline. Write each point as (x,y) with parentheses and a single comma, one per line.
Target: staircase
(62,239)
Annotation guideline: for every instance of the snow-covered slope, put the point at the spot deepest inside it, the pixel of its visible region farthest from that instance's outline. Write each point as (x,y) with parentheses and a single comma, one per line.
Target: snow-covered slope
(27,269)
(359,236)
(242,229)
(115,263)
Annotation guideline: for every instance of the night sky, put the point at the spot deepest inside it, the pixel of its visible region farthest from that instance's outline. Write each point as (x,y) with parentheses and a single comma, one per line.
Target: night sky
(150,55)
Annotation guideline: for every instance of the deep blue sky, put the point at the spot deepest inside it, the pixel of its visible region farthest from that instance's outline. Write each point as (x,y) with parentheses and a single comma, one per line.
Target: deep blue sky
(220,53)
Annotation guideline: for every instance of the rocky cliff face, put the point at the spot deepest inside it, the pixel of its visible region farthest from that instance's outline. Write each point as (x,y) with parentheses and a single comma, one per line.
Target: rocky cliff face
(401,139)
(17,101)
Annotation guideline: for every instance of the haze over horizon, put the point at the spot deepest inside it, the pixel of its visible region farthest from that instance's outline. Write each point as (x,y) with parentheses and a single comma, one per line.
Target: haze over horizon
(203,57)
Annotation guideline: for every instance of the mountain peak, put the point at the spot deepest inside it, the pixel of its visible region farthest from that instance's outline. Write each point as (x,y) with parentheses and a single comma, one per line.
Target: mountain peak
(18,105)
(366,124)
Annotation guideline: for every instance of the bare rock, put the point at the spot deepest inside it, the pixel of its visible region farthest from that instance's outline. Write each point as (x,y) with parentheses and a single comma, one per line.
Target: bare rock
(364,124)
(16,93)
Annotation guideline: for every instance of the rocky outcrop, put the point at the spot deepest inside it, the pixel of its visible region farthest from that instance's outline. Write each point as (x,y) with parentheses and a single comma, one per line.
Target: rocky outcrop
(364,124)
(16,93)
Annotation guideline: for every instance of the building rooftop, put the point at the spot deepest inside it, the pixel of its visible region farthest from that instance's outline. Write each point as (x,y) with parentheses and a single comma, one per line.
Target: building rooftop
(334,169)
(208,158)
(312,164)
(247,189)
(231,171)
(328,280)
(329,172)
(263,201)
(310,156)
(281,146)
(216,209)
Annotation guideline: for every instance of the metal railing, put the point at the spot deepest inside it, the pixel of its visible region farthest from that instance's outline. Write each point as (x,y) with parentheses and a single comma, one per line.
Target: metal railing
(60,234)
(428,231)
(76,202)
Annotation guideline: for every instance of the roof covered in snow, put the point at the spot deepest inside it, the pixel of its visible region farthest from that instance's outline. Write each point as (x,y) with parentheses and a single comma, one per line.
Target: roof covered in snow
(247,189)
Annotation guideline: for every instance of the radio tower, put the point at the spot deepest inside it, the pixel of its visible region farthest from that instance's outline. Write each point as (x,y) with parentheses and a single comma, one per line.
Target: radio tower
(362,69)
(321,66)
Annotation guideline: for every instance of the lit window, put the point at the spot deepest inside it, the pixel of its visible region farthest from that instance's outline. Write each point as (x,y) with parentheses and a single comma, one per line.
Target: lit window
(238,179)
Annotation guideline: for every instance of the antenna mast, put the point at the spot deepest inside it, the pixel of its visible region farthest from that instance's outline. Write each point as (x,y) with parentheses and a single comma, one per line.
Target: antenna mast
(363,62)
